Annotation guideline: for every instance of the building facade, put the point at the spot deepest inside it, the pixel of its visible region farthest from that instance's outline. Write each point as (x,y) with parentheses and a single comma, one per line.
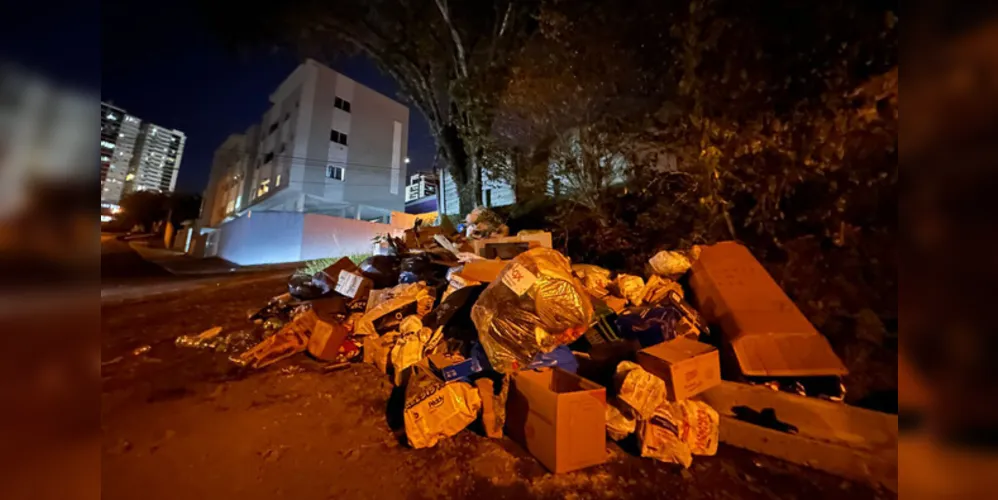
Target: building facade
(119,132)
(327,145)
(156,162)
(136,155)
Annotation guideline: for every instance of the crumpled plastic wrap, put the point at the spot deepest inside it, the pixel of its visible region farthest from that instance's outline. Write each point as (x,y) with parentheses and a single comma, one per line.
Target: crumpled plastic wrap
(679,430)
(619,425)
(378,350)
(631,288)
(638,390)
(657,289)
(484,223)
(659,440)
(435,410)
(387,308)
(672,263)
(410,346)
(535,305)
(594,278)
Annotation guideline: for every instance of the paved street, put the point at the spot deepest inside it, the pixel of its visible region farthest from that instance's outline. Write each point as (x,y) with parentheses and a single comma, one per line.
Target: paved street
(119,264)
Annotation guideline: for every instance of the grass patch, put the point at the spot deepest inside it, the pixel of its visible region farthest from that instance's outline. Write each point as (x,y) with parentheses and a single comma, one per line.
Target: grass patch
(313,266)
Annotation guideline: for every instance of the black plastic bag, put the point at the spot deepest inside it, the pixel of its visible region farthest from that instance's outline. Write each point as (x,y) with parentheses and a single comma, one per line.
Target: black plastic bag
(303,288)
(383,270)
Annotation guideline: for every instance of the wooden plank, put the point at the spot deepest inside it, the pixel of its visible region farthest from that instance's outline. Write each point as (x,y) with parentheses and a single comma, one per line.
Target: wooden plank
(876,467)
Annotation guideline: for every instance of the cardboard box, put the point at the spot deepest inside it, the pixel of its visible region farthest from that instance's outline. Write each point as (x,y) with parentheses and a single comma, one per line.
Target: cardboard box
(533,240)
(559,417)
(333,271)
(454,367)
(353,285)
(485,271)
(766,332)
(327,337)
(506,250)
(688,367)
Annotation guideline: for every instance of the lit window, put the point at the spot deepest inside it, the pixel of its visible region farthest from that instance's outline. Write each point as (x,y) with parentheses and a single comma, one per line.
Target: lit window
(108,145)
(277,182)
(110,116)
(335,173)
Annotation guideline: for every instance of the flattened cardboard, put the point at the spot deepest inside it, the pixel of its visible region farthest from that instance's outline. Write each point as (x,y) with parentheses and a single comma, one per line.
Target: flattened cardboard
(485,271)
(533,240)
(353,285)
(327,337)
(559,417)
(333,271)
(769,336)
(688,367)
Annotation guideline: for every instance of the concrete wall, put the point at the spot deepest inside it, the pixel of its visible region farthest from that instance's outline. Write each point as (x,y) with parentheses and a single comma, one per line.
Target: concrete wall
(262,238)
(327,236)
(376,151)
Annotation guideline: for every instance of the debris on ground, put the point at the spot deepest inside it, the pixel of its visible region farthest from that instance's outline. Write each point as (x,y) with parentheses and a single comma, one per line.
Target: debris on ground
(473,325)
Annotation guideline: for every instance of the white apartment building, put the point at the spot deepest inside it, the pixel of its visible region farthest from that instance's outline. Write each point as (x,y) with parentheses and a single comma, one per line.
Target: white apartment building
(156,161)
(327,145)
(136,155)
(119,132)
(325,162)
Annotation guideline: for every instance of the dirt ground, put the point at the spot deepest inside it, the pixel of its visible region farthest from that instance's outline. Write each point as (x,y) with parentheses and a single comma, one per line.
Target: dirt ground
(187,423)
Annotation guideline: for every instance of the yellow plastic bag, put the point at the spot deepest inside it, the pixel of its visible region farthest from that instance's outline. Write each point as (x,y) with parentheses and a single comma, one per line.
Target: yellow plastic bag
(435,410)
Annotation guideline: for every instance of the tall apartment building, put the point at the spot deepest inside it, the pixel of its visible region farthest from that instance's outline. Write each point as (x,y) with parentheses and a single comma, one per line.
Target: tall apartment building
(118,133)
(136,155)
(156,162)
(327,145)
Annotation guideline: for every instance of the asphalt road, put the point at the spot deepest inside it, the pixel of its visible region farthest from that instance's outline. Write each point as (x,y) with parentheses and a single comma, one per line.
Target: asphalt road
(119,264)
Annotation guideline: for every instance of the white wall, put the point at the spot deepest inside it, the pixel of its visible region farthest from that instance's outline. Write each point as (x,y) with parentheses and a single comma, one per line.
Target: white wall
(262,238)
(327,236)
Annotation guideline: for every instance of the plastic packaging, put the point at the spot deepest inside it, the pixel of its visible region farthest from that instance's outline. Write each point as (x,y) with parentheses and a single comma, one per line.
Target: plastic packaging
(679,430)
(484,223)
(638,390)
(594,278)
(657,288)
(618,424)
(436,410)
(383,270)
(649,325)
(670,263)
(658,439)
(535,305)
(302,287)
(631,288)
(561,357)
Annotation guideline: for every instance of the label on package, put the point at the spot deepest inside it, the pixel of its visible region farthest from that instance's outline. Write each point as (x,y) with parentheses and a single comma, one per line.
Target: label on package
(518,278)
(348,283)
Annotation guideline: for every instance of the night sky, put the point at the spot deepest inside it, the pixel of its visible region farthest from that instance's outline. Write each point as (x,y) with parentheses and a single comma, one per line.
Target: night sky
(161,64)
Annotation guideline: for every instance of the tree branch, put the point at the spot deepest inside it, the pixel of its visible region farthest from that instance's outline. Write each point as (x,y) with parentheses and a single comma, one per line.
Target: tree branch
(462,65)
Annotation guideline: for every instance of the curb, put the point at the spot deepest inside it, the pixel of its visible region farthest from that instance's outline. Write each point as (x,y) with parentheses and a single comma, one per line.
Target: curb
(162,258)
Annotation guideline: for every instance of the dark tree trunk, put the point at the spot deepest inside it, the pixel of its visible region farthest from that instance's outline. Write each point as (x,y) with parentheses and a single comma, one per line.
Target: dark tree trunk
(461,167)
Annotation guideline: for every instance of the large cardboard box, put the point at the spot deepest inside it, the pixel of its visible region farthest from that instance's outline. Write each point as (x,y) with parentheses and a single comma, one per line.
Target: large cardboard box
(533,240)
(767,333)
(485,271)
(559,417)
(688,367)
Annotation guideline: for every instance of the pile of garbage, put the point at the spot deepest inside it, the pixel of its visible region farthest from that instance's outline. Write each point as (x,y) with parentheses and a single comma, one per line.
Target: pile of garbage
(475,325)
